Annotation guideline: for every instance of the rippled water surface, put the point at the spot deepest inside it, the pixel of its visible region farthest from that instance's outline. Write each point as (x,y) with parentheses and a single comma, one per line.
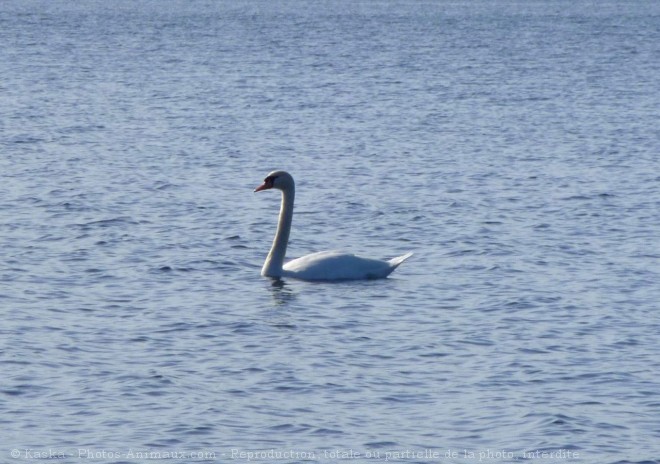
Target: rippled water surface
(513,146)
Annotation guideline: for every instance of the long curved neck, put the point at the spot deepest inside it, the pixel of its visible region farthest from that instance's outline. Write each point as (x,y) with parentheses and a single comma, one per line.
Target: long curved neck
(275,259)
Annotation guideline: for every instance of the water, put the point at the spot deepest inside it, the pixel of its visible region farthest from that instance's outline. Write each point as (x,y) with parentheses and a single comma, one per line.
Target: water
(513,146)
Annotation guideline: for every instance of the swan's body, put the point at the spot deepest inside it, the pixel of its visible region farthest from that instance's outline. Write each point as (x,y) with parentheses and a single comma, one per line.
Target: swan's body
(324,265)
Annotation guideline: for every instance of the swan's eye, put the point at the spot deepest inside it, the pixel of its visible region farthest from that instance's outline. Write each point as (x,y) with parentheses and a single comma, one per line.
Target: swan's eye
(270,180)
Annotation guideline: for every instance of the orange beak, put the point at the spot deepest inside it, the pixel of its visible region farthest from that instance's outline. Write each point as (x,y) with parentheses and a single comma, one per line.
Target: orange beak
(263,186)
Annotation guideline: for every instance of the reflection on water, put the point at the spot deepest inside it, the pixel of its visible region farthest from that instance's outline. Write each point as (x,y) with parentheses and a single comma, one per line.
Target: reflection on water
(281,292)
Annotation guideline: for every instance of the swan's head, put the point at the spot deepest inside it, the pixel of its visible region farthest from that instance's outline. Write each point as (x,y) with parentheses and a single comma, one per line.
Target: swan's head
(281,180)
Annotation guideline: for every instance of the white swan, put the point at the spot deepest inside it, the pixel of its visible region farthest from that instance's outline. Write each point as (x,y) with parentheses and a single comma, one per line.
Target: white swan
(325,265)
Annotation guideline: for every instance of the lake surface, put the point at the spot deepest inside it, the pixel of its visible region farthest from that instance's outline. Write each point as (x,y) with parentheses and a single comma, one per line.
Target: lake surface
(512,146)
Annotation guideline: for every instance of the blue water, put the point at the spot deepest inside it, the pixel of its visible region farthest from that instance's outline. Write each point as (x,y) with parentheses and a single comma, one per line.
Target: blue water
(513,146)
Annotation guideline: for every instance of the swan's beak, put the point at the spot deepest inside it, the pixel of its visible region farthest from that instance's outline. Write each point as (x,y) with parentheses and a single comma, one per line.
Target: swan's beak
(263,186)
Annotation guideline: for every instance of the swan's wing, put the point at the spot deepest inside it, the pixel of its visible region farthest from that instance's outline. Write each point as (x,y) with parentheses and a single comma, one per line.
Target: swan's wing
(333,265)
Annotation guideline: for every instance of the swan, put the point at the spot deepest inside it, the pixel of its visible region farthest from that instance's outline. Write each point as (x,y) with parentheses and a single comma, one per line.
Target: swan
(324,265)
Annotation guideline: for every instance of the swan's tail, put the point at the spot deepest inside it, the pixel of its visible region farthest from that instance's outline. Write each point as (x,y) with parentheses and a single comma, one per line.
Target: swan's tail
(394,262)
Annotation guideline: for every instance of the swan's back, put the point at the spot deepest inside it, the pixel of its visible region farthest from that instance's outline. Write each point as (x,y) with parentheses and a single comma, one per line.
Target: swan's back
(333,265)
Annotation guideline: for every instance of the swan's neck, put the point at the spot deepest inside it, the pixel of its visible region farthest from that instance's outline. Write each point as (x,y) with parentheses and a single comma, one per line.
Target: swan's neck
(275,259)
